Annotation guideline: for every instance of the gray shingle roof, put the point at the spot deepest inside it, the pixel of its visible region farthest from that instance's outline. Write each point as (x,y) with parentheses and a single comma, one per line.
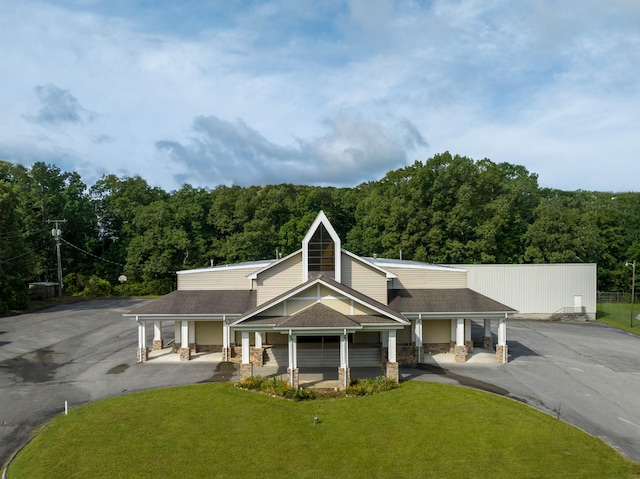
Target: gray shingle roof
(200,302)
(444,300)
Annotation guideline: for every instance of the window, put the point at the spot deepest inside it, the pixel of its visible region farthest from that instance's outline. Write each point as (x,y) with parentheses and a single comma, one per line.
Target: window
(322,252)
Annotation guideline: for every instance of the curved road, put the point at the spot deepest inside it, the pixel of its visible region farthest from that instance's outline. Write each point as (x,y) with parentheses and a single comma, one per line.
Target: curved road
(585,373)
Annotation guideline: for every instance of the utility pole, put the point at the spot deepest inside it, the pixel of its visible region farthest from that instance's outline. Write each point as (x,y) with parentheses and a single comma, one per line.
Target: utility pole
(55,232)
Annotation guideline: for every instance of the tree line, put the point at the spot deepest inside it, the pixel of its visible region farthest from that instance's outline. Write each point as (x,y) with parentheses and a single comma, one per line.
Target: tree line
(448,209)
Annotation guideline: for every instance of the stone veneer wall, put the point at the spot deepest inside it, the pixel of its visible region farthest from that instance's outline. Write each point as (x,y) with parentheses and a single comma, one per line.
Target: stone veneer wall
(256,356)
(142,354)
(436,348)
(296,377)
(157,344)
(461,354)
(406,355)
(209,348)
(392,371)
(344,377)
(246,370)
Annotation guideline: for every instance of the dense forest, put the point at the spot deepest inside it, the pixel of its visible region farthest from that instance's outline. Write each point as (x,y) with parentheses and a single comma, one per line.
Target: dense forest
(449,209)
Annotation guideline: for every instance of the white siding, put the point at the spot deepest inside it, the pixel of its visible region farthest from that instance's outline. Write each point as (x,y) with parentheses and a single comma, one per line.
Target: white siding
(440,278)
(364,278)
(536,290)
(215,278)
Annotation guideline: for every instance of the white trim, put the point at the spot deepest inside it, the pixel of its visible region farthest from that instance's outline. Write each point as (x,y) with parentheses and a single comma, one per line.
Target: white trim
(225,267)
(370,262)
(337,247)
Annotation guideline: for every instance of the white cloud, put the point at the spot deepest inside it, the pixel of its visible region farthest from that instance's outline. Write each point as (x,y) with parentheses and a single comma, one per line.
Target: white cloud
(326,93)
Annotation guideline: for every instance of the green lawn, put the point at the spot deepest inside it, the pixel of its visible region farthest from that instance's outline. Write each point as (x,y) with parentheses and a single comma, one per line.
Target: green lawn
(420,430)
(619,316)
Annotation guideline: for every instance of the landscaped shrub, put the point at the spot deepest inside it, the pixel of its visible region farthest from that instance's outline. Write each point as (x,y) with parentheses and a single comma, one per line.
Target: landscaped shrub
(274,386)
(366,387)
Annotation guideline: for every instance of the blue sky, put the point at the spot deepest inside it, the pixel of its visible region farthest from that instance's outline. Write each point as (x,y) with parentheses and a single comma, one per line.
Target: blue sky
(321,92)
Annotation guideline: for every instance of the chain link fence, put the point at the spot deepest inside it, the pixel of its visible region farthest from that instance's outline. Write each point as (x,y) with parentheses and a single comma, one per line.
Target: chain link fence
(616,306)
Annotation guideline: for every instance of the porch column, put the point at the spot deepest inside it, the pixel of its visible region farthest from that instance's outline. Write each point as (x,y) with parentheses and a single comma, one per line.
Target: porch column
(185,352)
(226,346)
(143,351)
(246,367)
(292,370)
(417,339)
(454,325)
(467,335)
(392,364)
(487,339)
(192,337)
(460,349)
(157,335)
(344,372)
(502,350)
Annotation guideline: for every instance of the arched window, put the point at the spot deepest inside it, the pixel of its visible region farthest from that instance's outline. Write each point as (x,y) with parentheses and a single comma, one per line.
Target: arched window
(322,253)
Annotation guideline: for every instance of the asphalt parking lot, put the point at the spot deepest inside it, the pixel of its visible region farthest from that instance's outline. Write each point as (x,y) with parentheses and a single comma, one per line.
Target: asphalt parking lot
(585,373)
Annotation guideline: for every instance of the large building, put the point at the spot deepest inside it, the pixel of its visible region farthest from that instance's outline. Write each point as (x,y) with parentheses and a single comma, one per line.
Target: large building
(324,306)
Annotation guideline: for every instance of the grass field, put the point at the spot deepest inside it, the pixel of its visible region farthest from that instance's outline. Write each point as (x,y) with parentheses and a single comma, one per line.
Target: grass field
(423,430)
(619,315)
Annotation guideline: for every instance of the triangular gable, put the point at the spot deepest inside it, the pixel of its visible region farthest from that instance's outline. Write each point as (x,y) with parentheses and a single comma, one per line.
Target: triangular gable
(321,219)
(318,315)
(333,285)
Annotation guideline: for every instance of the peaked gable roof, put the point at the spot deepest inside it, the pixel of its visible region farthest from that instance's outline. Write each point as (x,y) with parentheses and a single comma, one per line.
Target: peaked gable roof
(332,284)
(198,302)
(318,315)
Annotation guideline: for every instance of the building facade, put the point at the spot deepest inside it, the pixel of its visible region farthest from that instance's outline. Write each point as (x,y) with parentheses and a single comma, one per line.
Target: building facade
(323,306)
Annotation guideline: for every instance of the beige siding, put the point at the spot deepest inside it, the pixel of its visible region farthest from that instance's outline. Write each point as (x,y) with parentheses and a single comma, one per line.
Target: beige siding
(438,331)
(416,278)
(279,278)
(362,277)
(536,290)
(276,338)
(216,278)
(296,305)
(209,332)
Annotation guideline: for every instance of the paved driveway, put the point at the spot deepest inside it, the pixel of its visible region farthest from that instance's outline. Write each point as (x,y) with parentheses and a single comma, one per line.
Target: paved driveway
(587,374)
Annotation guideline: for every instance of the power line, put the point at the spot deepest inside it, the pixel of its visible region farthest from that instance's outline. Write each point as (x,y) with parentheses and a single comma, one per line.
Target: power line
(90,254)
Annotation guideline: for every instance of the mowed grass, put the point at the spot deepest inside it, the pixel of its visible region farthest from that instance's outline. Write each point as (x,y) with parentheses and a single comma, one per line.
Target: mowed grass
(619,316)
(420,430)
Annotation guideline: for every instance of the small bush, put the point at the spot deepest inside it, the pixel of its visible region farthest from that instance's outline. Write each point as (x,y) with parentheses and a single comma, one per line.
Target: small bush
(97,287)
(366,387)
(274,386)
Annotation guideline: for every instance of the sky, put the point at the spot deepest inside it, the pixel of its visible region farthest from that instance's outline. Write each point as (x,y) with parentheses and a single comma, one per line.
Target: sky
(332,93)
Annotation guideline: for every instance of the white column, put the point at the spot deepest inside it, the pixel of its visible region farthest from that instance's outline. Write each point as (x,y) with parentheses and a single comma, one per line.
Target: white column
(184,334)
(245,347)
(467,330)
(144,334)
(418,338)
(157,330)
(140,334)
(344,351)
(294,345)
(258,339)
(454,326)
(385,337)
(487,328)
(392,346)
(502,331)
(460,332)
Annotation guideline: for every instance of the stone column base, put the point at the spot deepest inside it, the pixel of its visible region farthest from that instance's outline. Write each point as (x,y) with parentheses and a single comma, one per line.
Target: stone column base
(157,344)
(226,354)
(502,349)
(256,356)
(246,370)
(344,377)
(461,354)
(185,354)
(193,348)
(487,342)
(294,377)
(392,371)
(469,345)
(142,354)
